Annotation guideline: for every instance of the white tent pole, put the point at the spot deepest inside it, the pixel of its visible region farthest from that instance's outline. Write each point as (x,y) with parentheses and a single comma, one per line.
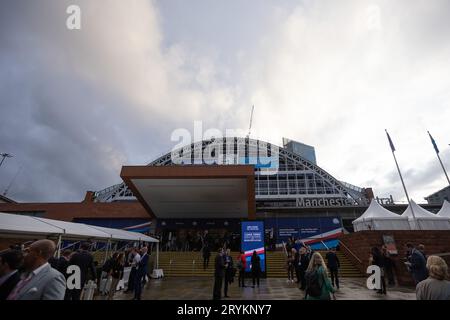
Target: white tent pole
(58,250)
(107,250)
(157,255)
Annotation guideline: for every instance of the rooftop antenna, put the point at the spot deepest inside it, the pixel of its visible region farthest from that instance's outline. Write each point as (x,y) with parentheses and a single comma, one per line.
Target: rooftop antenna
(251,120)
(11,183)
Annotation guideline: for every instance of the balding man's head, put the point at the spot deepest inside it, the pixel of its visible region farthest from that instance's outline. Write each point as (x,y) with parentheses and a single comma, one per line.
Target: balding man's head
(45,247)
(39,253)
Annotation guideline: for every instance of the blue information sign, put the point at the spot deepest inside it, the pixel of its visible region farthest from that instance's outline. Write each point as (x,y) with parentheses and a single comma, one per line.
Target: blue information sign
(252,239)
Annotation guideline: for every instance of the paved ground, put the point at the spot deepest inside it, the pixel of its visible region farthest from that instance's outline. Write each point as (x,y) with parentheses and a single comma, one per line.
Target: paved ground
(278,289)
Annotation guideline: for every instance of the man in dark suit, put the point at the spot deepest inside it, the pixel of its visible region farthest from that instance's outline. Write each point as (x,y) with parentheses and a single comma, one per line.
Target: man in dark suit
(333,266)
(84,260)
(141,272)
(219,273)
(418,264)
(229,271)
(62,265)
(10,262)
(303,263)
(206,255)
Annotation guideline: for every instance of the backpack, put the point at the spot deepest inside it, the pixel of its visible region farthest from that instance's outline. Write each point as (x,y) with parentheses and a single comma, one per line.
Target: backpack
(313,285)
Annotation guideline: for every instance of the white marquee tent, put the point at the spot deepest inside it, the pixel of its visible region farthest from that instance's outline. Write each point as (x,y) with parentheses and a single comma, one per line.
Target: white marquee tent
(15,225)
(75,231)
(378,218)
(28,227)
(445,210)
(425,220)
(125,235)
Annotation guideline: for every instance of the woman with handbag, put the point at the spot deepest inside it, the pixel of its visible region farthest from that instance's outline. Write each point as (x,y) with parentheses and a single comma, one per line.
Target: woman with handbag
(116,274)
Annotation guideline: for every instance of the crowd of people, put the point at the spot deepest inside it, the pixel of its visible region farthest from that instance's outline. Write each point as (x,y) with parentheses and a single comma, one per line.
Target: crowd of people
(35,273)
(309,270)
(192,240)
(225,271)
(430,274)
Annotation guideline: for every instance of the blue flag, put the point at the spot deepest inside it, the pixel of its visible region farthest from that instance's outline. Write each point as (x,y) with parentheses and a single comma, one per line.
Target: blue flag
(434,143)
(390,142)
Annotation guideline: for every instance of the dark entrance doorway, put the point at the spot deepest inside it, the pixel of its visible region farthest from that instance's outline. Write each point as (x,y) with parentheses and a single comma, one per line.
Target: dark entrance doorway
(193,234)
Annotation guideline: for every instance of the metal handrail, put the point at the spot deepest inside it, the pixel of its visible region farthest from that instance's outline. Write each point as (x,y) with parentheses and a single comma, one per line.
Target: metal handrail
(284,249)
(351,252)
(325,245)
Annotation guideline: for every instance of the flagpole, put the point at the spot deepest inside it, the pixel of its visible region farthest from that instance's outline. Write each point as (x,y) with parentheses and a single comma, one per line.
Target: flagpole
(401,178)
(443,168)
(439,158)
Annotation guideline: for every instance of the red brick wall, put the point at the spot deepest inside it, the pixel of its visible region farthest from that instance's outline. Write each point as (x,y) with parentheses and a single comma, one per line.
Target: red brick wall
(86,209)
(360,244)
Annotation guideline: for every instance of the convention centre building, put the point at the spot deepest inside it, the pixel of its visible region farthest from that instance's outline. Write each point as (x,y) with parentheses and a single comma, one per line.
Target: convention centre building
(216,184)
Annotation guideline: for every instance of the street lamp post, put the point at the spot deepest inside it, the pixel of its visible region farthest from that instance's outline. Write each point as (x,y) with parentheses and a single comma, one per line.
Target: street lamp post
(4,156)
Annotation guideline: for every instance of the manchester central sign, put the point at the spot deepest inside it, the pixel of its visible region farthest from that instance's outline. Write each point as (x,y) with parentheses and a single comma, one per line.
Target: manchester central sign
(326,202)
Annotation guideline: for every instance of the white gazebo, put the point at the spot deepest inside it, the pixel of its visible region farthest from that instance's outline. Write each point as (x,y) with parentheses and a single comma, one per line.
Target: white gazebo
(424,219)
(377,217)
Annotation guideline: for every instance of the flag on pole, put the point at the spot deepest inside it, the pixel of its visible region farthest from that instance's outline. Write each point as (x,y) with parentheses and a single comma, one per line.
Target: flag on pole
(390,141)
(433,142)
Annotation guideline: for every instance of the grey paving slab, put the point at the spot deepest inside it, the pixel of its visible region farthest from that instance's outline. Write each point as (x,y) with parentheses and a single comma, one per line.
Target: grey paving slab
(270,289)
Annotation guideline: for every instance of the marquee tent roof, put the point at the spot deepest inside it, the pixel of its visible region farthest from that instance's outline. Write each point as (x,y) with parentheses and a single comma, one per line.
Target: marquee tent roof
(125,235)
(378,218)
(424,219)
(375,210)
(30,227)
(75,230)
(13,224)
(445,210)
(419,212)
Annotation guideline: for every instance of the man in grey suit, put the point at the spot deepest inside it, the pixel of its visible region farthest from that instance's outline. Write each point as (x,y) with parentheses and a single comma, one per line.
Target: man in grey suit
(39,281)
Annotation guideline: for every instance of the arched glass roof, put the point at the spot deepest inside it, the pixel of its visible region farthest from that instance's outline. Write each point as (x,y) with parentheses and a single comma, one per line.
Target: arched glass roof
(279,173)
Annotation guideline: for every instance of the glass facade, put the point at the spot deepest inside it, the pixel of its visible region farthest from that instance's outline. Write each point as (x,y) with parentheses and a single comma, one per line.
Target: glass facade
(279,173)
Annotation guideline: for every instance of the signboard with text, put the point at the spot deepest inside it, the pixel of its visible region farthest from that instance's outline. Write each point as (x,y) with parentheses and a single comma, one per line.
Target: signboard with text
(252,239)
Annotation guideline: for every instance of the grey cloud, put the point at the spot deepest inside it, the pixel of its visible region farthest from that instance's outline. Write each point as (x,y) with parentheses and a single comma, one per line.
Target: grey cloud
(76,106)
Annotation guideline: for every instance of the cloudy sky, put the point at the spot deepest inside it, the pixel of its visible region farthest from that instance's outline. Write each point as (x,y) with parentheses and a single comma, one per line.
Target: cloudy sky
(76,105)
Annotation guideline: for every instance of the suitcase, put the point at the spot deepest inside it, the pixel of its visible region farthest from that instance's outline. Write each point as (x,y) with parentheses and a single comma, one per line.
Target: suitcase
(105,285)
(89,290)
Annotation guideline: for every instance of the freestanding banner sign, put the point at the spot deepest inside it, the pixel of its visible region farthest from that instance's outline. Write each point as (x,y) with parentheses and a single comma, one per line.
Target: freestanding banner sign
(252,239)
(389,242)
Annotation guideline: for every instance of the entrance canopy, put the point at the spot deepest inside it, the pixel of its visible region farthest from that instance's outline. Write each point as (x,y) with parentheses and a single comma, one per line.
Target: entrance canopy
(194,191)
